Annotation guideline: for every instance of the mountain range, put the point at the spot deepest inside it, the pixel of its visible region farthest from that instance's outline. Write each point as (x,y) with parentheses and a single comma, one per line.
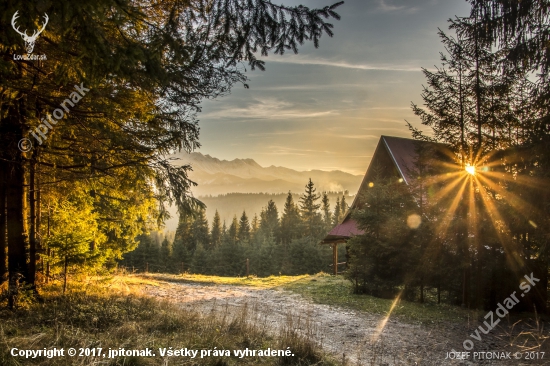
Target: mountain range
(216,176)
(221,184)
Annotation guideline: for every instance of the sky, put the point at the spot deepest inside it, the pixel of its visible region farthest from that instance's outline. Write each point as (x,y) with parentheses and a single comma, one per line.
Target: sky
(326,108)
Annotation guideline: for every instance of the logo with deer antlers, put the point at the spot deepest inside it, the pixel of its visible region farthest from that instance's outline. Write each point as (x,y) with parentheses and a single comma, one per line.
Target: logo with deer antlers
(29,40)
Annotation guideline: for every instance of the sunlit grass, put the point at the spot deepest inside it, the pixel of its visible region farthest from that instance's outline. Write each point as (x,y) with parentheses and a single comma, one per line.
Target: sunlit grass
(263,282)
(330,290)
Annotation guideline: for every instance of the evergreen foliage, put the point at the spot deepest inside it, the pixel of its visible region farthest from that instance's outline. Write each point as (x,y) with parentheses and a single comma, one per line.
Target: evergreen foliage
(290,221)
(337,215)
(244,228)
(216,233)
(327,217)
(378,258)
(269,247)
(144,69)
(309,209)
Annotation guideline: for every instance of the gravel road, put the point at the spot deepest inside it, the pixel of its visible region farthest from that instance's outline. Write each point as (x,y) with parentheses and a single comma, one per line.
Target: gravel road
(358,338)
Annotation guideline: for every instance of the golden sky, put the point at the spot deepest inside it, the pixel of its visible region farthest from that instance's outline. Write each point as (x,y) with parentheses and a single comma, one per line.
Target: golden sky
(326,108)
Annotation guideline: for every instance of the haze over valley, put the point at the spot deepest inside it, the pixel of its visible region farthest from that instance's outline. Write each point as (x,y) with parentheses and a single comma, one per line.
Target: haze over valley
(231,186)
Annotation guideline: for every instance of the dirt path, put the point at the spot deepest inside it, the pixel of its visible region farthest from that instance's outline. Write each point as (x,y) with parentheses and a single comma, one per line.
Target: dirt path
(358,337)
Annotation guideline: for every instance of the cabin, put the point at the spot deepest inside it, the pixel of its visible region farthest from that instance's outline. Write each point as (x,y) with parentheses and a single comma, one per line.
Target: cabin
(394,157)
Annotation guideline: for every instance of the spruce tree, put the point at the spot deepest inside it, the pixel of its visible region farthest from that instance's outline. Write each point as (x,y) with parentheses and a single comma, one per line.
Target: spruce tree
(337,213)
(224,230)
(484,104)
(309,211)
(290,221)
(255,225)
(183,239)
(244,228)
(200,261)
(233,232)
(166,254)
(380,258)
(270,219)
(200,230)
(216,233)
(327,217)
(343,207)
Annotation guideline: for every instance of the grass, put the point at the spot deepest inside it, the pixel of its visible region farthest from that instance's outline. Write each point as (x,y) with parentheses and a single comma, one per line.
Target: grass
(326,289)
(108,312)
(253,281)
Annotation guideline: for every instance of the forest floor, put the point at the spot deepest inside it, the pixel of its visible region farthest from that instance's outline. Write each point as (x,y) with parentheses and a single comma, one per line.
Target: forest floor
(358,330)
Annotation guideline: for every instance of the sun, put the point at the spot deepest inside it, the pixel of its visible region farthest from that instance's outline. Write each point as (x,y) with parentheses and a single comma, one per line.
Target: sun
(471,169)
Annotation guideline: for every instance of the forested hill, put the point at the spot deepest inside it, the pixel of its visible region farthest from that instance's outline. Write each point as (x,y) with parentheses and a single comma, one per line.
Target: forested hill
(217,176)
(232,204)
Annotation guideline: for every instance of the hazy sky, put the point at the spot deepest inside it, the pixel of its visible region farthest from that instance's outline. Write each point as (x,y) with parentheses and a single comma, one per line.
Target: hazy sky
(326,108)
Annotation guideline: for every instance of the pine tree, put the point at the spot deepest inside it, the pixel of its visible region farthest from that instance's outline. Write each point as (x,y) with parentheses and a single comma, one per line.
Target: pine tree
(74,229)
(244,228)
(327,217)
(166,254)
(224,230)
(343,207)
(216,233)
(270,219)
(484,104)
(233,232)
(254,226)
(200,230)
(290,221)
(183,238)
(380,258)
(337,215)
(309,211)
(200,261)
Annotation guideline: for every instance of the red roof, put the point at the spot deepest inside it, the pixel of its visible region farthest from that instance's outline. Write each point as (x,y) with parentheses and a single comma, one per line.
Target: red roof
(403,153)
(345,230)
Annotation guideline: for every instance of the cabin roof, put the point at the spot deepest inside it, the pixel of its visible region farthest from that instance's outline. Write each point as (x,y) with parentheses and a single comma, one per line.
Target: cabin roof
(402,152)
(399,153)
(343,231)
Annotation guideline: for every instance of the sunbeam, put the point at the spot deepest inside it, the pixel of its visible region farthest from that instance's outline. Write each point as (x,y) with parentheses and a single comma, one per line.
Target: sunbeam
(380,328)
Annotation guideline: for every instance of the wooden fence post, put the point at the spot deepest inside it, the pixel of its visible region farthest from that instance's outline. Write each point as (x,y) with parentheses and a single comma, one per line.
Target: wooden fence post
(335,258)
(247,274)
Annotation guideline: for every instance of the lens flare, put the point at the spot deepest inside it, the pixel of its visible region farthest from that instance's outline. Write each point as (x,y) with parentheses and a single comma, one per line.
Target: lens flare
(414,221)
(471,169)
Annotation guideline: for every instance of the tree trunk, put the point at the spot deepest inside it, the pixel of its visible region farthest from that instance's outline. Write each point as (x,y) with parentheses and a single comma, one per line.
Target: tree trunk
(39,248)
(3,226)
(478,92)
(31,280)
(48,250)
(65,275)
(16,211)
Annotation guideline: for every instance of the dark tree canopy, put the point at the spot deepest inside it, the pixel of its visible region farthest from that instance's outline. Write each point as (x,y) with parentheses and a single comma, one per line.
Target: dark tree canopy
(146,67)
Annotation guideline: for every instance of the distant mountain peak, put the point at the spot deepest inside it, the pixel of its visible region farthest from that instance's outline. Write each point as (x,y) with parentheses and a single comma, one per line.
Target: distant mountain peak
(197,156)
(218,176)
